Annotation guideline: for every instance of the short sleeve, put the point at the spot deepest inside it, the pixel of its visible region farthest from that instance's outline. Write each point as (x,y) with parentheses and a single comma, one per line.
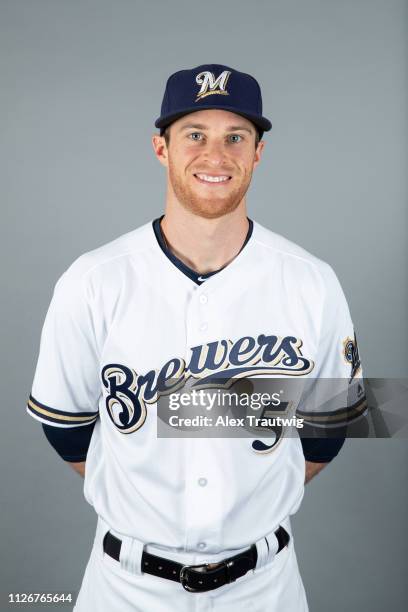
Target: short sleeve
(66,389)
(334,394)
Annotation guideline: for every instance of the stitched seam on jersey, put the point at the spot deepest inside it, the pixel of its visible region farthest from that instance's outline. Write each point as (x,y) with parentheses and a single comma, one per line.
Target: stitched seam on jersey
(107,261)
(84,280)
(131,251)
(279,250)
(91,311)
(315,266)
(139,248)
(110,330)
(324,305)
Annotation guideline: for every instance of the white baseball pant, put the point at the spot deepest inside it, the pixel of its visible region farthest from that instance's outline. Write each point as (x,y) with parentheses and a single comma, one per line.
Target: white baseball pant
(275,585)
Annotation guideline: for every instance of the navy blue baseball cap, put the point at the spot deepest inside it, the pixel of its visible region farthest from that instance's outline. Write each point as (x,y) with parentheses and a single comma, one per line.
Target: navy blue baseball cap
(212,86)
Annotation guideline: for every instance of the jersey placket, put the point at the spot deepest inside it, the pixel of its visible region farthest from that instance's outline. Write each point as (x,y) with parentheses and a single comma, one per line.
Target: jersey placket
(203,497)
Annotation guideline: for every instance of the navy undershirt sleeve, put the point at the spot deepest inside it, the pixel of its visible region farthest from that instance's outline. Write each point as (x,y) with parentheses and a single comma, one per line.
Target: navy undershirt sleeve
(321,450)
(70,443)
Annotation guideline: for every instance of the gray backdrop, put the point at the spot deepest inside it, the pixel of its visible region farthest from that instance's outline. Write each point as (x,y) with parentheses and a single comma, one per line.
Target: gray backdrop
(81,83)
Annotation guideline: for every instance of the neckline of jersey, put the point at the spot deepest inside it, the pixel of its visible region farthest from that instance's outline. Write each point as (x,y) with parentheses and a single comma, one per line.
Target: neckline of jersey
(194,276)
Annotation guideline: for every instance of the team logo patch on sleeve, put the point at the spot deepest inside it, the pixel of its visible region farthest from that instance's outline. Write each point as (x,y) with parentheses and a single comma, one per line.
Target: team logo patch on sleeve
(351,356)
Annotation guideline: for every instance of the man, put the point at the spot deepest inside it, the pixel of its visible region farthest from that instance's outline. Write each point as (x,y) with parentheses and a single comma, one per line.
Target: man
(201,291)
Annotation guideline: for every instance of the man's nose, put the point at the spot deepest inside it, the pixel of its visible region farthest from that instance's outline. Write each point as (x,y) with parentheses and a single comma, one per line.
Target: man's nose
(214,153)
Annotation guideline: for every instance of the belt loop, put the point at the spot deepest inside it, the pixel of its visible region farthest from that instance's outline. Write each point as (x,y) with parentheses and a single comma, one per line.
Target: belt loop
(262,548)
(267,548)
(273,545)
(131,555)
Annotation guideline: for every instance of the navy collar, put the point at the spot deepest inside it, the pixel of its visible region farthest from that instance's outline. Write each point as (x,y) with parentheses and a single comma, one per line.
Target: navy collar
(196,277)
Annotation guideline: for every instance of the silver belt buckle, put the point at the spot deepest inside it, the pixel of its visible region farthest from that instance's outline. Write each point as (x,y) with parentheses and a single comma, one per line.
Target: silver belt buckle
(203,568)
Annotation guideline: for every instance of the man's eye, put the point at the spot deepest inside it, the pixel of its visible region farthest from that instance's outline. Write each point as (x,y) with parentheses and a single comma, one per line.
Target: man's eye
(235,138)
(196,136)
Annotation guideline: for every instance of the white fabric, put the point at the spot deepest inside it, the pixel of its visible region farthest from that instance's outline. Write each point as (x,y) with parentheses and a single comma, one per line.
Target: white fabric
(131,555)
(267,547)
(263,552)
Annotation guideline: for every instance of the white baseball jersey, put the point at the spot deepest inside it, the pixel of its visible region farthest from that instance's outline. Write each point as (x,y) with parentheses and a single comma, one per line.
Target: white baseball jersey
(124,319)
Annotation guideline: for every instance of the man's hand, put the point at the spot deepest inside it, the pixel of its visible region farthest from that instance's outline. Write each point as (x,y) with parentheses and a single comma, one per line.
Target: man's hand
(312,469)
(79,467)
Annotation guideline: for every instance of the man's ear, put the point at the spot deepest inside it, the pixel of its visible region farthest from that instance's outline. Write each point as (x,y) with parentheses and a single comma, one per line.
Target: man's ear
(258,152)
(160,149)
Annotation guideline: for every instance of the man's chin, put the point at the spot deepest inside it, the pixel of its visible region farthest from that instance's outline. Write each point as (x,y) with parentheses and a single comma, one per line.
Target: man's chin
(211,208)
(211,211)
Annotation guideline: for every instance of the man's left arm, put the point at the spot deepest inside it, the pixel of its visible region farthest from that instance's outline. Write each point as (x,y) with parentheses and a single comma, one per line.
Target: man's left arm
(335,395)
(312,469)
(318,453)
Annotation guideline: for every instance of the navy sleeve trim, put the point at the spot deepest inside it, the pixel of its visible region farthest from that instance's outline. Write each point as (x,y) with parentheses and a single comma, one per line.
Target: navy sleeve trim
(52,415)
(340,416)
(321,450)
(70,443)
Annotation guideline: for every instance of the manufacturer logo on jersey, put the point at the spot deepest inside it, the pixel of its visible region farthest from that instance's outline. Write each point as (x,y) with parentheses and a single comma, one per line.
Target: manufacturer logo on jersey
(211,85)
(211,364)
(350,353)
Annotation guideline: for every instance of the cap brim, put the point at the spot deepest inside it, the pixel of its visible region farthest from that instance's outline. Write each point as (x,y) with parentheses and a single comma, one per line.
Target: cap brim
(261,122)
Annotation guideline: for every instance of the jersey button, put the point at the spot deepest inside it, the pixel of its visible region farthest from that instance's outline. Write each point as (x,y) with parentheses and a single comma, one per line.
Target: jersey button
(202,482)
(203,299)
(204,327)
(201,545)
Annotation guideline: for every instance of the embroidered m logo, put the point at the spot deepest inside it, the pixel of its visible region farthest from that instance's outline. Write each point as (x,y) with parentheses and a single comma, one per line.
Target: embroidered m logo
(210,85)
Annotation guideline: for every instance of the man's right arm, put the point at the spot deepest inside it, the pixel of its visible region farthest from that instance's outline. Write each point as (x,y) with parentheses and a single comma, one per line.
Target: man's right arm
(66,388)
(71,443)
(78,466)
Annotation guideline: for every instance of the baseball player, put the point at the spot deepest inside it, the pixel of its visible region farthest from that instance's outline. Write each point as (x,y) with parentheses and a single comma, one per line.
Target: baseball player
(191,524)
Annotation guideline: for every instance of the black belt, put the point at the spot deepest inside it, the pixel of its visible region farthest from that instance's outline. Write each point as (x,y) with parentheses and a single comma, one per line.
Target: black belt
(197,578)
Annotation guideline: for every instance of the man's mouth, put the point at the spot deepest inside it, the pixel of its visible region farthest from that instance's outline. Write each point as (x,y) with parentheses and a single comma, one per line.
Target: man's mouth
(212,178)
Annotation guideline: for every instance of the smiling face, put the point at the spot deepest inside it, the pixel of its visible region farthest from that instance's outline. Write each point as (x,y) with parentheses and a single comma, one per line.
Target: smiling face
(210,156)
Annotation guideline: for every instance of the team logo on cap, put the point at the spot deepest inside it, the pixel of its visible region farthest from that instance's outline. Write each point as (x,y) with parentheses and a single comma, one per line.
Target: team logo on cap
(210,85)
